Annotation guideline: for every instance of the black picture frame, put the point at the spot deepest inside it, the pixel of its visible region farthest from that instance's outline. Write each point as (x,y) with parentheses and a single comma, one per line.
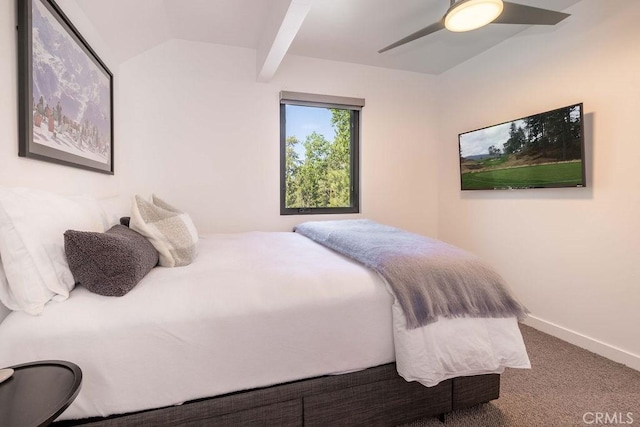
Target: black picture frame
(58,68)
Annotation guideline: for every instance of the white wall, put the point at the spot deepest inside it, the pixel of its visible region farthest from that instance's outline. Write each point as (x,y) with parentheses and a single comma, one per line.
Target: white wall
(197,129)
(571,255)
(23,172)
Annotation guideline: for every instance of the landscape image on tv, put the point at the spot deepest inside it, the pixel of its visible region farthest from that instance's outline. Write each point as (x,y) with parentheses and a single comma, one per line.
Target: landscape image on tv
(542,150)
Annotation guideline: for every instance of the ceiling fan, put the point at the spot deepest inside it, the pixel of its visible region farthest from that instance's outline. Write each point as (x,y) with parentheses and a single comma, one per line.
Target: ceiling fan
(467,15)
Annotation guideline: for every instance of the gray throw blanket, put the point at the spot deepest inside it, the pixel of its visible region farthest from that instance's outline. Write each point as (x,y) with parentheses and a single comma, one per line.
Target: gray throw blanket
(428,277)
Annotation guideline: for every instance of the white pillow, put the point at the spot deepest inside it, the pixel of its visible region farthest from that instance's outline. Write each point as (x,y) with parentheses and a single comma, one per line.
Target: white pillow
(4,284)
(32,226)
(115,207)
(169,230)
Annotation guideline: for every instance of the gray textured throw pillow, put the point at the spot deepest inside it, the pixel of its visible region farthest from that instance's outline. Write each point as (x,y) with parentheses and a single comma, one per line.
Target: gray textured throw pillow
(109,263)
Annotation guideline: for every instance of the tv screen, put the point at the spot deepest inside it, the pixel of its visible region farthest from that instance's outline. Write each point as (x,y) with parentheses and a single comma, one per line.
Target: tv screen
(539,151)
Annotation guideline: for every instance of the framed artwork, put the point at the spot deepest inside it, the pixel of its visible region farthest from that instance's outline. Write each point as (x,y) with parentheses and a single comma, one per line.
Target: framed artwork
(65,92)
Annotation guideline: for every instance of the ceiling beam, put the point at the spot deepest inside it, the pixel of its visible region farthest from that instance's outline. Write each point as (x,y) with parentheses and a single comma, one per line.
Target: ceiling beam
(284,23)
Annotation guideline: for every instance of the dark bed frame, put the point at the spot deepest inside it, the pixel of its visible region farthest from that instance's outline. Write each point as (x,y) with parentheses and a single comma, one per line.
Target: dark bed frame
(374,396)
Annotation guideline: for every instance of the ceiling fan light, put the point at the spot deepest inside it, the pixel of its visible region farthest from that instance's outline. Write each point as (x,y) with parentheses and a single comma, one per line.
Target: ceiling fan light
(468,15)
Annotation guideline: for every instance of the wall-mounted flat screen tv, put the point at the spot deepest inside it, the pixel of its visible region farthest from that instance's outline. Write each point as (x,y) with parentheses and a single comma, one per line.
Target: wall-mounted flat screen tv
(540,151)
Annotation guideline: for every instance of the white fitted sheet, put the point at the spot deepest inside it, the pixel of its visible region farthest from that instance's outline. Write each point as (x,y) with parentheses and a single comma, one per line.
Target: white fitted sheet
(254,309)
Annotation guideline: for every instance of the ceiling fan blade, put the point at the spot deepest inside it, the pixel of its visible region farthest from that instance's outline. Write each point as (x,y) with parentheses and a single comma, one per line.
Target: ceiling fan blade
(436,26)
(514,13)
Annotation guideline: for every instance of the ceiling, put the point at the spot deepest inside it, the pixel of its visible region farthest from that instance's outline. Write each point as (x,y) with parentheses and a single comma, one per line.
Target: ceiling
(341,30)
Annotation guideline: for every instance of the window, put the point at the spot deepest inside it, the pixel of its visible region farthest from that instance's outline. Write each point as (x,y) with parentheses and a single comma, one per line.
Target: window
(319,139)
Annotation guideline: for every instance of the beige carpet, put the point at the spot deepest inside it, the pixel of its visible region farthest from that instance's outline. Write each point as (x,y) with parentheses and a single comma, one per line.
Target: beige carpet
(566,386)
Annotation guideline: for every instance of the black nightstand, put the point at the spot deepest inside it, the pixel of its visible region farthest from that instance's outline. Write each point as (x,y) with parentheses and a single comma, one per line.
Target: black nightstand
(38,392)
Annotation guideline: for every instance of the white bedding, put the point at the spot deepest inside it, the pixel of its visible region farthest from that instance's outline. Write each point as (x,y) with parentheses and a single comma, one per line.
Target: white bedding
(254,309)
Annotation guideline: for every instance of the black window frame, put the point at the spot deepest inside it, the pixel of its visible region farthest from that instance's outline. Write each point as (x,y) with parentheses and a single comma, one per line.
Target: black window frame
(354,105)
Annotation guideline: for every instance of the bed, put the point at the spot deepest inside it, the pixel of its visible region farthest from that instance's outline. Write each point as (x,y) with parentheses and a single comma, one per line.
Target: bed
(262,328)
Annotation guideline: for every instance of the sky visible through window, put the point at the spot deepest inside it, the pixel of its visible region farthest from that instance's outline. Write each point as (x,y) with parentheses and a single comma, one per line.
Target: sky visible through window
(303,121)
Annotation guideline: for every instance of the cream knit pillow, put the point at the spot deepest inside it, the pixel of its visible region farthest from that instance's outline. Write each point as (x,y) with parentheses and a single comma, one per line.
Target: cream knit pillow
(169,230)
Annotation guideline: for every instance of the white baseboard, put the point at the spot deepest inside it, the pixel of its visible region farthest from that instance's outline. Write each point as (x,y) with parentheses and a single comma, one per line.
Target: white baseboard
(603,349)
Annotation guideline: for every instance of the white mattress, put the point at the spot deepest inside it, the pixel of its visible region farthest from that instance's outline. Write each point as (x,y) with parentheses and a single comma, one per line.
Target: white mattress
(254,309)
